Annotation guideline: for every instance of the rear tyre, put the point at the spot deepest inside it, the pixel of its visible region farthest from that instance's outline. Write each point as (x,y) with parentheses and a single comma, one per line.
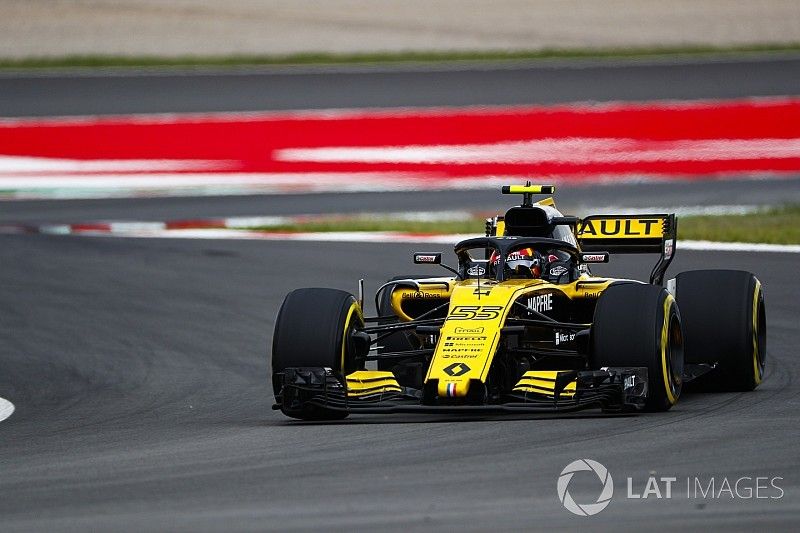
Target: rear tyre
(724,321)
(637,325)
(313,329)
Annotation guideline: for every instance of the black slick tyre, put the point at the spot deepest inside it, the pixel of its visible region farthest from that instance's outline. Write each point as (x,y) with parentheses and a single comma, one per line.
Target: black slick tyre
(638,325)
(313,329)
(725,323)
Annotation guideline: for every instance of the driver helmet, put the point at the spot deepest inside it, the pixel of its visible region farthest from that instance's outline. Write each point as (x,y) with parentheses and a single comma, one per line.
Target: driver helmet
(526,263)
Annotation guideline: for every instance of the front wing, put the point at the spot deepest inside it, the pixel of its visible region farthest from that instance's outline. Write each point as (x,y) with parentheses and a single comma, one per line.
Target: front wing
(609,389)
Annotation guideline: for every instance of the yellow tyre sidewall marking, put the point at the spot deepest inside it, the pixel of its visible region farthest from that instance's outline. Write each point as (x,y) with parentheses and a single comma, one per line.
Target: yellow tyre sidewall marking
(756,367)
(664,338)
(353,309)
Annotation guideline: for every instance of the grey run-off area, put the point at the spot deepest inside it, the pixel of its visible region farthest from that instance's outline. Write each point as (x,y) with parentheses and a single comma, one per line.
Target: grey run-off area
(140,373)
(56,28)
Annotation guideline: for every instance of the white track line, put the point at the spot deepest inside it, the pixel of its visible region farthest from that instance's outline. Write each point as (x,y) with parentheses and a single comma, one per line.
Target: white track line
(394,237)
(574,150)
(36,167)
(738,247)
(6,409)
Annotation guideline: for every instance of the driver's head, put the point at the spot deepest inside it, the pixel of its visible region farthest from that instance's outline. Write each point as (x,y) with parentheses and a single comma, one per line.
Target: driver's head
(524,263)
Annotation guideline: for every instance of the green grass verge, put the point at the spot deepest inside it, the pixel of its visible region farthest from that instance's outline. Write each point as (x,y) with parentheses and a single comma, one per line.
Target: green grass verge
(775,226)
(96,61)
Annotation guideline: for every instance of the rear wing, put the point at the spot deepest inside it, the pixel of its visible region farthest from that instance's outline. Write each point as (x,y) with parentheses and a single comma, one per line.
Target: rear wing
(631,234)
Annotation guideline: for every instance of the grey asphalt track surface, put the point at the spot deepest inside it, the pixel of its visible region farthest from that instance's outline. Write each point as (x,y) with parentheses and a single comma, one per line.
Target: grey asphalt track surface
(114,92)
(139,368)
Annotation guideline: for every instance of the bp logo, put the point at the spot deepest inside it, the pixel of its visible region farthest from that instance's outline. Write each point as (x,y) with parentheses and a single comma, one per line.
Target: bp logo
(585,509)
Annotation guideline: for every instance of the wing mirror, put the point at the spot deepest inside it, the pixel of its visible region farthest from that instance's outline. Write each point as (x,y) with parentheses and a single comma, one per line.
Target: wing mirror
(427,258)
(421,258)
(594,257)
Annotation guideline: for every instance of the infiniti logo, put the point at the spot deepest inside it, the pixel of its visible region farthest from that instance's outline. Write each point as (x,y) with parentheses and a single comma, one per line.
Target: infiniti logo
(585,509)
(476,271)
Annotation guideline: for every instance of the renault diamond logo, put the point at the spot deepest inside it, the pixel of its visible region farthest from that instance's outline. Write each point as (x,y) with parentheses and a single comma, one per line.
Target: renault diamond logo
(456,369)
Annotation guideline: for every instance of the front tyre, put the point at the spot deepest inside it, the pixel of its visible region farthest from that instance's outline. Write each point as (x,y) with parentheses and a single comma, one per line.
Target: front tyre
(314,329)
(725,323)
(637,325)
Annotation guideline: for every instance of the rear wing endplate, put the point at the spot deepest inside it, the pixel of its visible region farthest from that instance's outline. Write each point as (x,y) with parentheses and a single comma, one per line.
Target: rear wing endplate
(631,234)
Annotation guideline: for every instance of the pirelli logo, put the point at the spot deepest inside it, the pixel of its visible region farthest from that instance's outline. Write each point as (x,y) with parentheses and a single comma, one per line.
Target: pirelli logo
(622,228)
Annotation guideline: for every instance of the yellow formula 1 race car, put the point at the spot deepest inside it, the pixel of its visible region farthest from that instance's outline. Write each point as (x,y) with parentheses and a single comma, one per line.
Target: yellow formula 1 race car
(522,325)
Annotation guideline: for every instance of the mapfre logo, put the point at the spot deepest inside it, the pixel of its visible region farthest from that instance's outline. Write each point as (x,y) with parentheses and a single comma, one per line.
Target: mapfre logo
(585,509)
